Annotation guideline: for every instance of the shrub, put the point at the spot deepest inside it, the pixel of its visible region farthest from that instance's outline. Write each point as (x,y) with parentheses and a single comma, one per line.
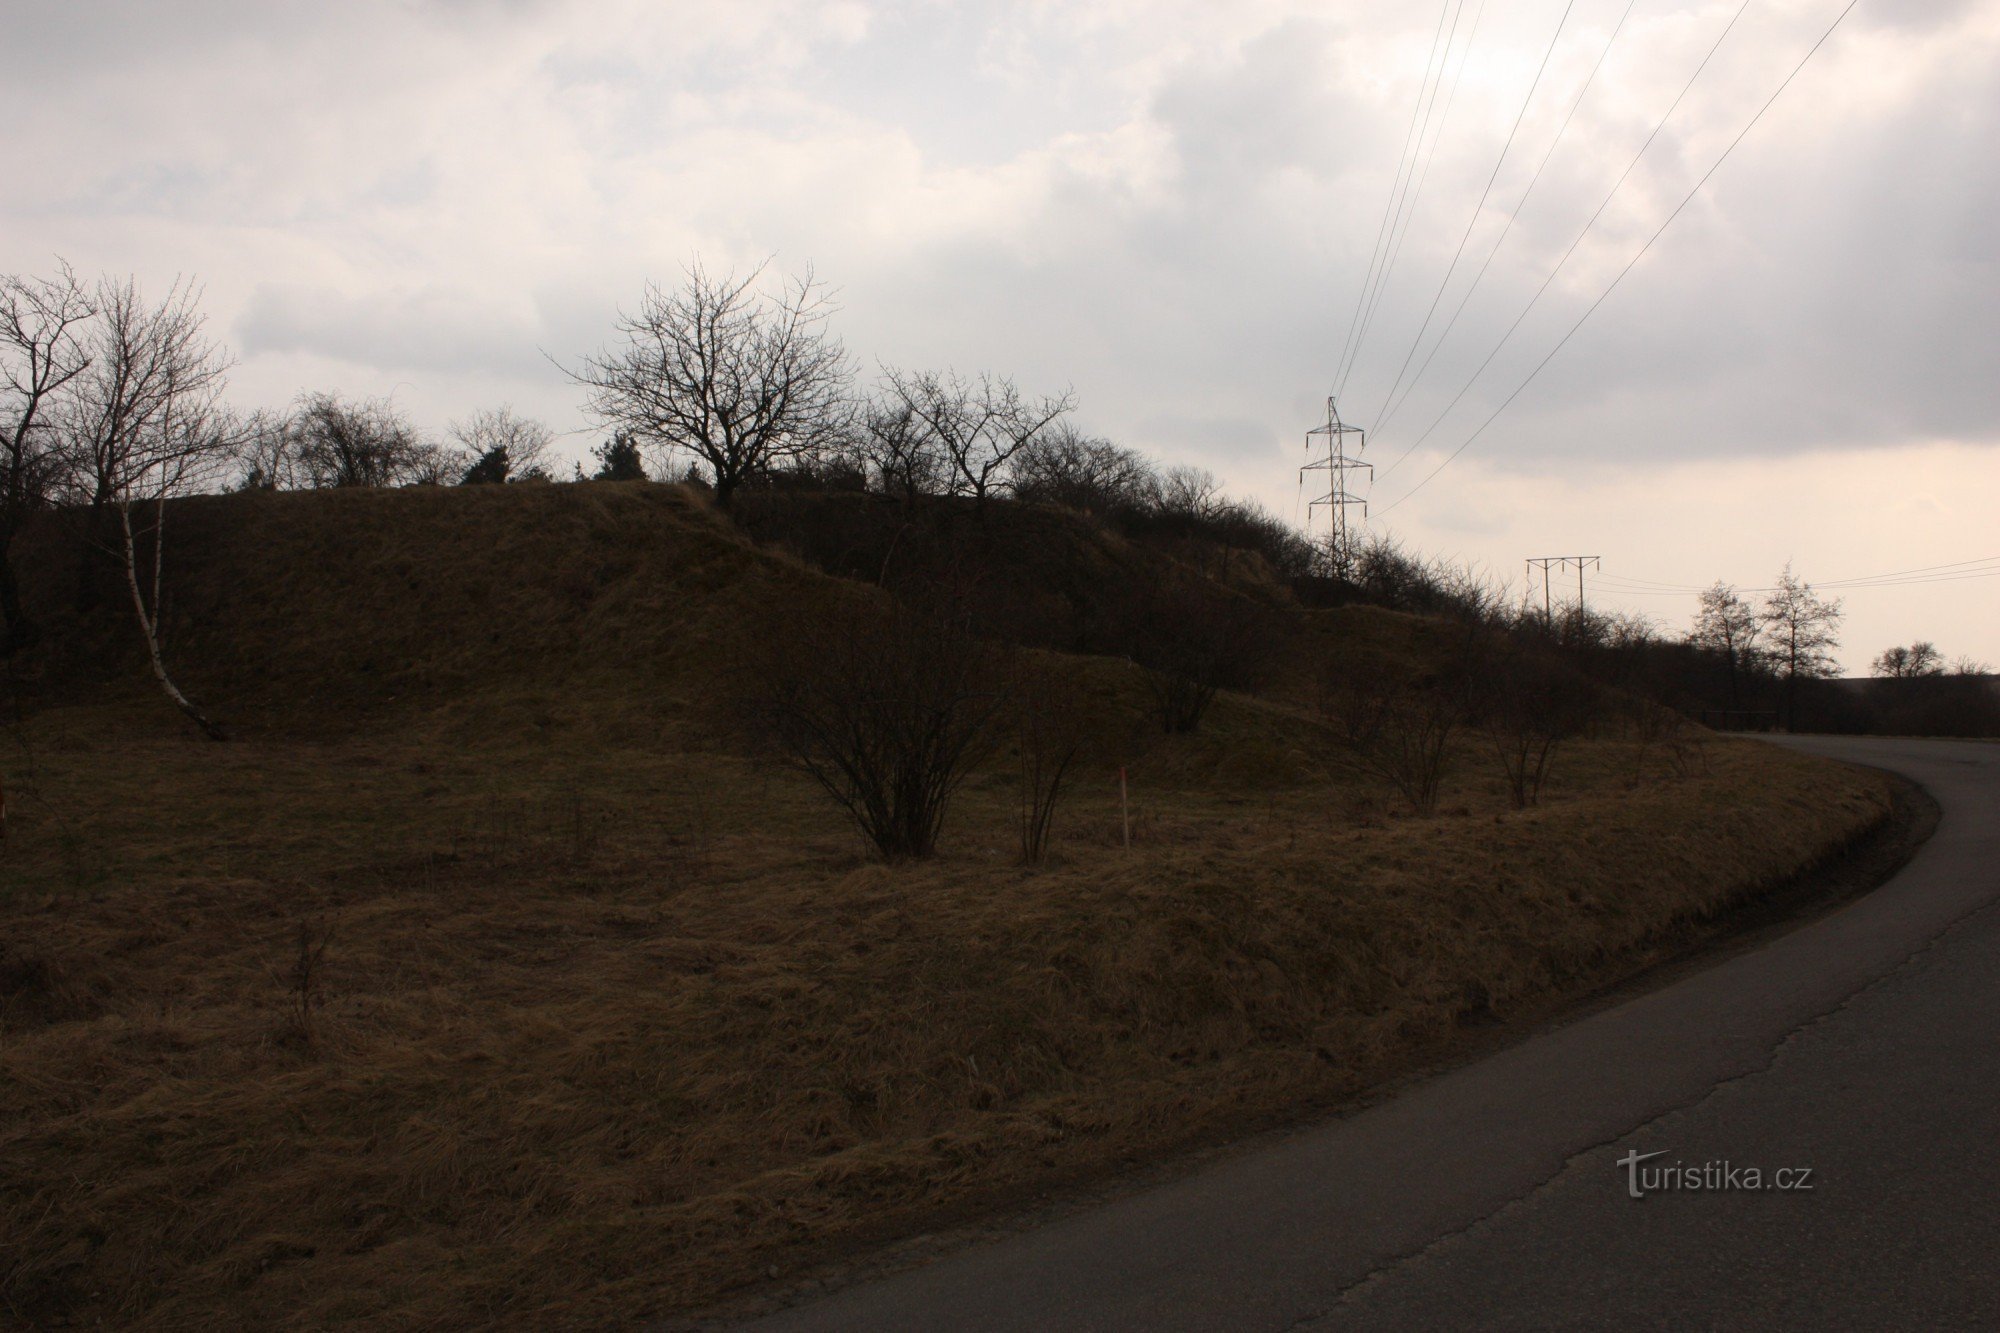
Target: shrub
(887,711)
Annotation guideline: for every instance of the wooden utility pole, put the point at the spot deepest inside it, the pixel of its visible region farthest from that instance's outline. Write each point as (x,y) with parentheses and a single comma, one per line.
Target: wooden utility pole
(1559,562)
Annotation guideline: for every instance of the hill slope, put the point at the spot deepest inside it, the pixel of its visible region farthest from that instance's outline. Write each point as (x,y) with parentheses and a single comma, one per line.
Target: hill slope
(490,977)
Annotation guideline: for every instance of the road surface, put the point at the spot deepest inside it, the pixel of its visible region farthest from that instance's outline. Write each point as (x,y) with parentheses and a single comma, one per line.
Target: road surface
(1862,1049)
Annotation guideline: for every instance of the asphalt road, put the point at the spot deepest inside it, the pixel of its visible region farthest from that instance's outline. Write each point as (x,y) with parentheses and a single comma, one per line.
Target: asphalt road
(1863,1048)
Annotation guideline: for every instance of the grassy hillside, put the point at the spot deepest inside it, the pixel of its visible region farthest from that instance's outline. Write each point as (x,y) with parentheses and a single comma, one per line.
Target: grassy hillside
(293,609)
(609,1013)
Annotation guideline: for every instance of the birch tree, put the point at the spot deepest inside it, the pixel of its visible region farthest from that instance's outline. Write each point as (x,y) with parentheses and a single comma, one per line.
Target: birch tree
(144,423)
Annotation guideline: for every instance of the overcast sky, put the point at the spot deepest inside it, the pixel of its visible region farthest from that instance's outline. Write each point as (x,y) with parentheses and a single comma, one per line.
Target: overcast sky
(1169,206)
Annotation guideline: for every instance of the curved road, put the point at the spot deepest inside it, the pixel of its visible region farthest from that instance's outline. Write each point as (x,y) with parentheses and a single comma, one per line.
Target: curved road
(1863,1048)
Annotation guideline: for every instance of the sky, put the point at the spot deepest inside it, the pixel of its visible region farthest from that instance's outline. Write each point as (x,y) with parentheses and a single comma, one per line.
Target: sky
(1171,207)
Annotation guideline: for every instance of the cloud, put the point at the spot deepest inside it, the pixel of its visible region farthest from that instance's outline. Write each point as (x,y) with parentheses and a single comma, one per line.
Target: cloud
(433,329)
(1168,204)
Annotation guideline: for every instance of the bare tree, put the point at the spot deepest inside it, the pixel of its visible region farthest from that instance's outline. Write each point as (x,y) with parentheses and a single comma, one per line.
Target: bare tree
(1190,493)
(978,425)
(143,424)
(502,446)
(265,456)
(1066,467)
(1919,659)
(886,711)
(742,380)
(903,450)
(1728,626)
(43,323)
(334,442)
(1804,630)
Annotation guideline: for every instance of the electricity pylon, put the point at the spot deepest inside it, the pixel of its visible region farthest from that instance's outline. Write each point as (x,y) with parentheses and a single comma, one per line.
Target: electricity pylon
(1337,463)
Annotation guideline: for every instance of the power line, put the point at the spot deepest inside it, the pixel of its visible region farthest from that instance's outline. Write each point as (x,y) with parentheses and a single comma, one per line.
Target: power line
(1957,571)
(1534,300)
(1381,229)
(1477,208)
(1513,215)
(1400,230)
(1678,208)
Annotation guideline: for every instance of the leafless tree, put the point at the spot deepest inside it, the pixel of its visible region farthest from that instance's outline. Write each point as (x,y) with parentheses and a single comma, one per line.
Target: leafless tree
(887,711)
(502,446)
(43,324)
(1190,492)
(743,381)
(979,425)
(1919,659)
(901,448)
(335,442)
(144,423)
(266,459)
(1804,631)
(1066,467)
(1728,626)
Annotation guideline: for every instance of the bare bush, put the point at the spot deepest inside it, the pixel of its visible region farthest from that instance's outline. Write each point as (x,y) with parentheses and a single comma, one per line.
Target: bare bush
(1191,493)
(329,442)
(1050,719)
(1531,707)
(502,446)
(1657,727)
(1066,467)
(1194,639)
(887,711)
(1398,726)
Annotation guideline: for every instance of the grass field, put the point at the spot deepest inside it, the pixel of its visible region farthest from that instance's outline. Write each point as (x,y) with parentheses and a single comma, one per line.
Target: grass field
(608,1014)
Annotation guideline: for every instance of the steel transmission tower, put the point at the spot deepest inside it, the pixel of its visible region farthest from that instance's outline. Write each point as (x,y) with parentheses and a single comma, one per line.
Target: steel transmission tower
(1337,463)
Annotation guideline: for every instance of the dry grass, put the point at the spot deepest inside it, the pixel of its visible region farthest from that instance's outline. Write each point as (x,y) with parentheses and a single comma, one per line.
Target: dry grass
(590,1045)
(613,1016)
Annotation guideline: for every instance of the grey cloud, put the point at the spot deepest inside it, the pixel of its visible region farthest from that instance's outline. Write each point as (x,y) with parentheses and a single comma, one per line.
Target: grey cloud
(432,330)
